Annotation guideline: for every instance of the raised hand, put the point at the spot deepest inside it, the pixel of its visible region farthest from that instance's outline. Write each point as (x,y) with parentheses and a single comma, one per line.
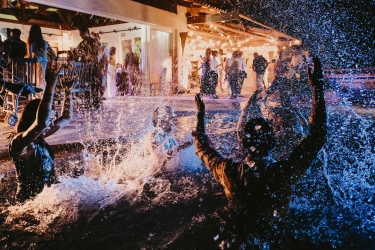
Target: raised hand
(316,78)
(50,77)
(199,104)
(254,98)
(201,112)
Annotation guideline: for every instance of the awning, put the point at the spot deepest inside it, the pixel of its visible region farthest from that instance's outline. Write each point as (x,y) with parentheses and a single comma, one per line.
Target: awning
(231,29)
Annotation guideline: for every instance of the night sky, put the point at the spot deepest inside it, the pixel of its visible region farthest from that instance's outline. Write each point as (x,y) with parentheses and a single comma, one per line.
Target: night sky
(340,32)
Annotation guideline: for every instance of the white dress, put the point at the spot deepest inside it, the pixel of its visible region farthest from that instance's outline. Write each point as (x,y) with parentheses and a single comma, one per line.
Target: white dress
(111,88)
(42,64)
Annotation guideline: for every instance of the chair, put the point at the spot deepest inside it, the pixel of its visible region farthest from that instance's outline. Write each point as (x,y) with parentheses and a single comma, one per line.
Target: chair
(18,87)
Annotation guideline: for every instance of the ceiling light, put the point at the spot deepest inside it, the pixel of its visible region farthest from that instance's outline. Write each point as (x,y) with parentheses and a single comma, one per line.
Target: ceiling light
(51,9)
(8,17)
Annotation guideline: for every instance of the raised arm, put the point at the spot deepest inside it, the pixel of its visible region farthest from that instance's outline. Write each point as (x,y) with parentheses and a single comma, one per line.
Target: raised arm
(251,110)
(67,111)
(305,153)
(43,115)
(203,146)
(220,167)
(200,115)
(205,151)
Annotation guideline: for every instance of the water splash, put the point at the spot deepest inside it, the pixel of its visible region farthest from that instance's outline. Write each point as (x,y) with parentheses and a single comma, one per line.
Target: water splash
(333,203)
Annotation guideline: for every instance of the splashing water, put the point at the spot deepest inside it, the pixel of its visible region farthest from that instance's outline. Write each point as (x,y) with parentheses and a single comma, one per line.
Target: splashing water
(333,203)
(122,174)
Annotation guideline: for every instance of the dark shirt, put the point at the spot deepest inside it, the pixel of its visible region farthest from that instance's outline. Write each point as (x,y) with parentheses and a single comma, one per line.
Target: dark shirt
(205,66)
(34,170)
(260,64)
(14,47)
(88,50)
(264,190)
(131,60)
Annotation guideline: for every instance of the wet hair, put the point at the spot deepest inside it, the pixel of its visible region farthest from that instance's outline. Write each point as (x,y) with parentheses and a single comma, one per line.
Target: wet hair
(83,29)
(214,52)
(16,32)
(258,128)
(112,50)
(36,38)
(28,116)
(159,112)
(95,35)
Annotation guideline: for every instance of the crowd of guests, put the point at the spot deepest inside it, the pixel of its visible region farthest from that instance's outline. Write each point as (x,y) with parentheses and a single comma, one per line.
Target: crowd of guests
(104,82)
(259,188)
(36,47)
(109,78)
(128,77)
(219,72)
(38,119)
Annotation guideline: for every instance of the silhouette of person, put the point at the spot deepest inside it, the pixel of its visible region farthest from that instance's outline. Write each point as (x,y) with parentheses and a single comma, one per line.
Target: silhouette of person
(87,52)
(42,50)
(259,66)
(14,46)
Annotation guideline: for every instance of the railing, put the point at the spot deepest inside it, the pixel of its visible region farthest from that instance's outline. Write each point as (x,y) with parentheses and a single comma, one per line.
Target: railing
(356,85)
(17,86)
(25,69)
(351,78)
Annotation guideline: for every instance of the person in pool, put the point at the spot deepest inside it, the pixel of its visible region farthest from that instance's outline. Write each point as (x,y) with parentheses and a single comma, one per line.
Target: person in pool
(31,154)
(261,185)
(160,139)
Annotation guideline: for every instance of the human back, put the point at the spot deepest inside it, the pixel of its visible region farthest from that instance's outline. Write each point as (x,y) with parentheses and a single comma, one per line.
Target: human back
(38,47)
(260,64)
(233,66)
(14,46)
